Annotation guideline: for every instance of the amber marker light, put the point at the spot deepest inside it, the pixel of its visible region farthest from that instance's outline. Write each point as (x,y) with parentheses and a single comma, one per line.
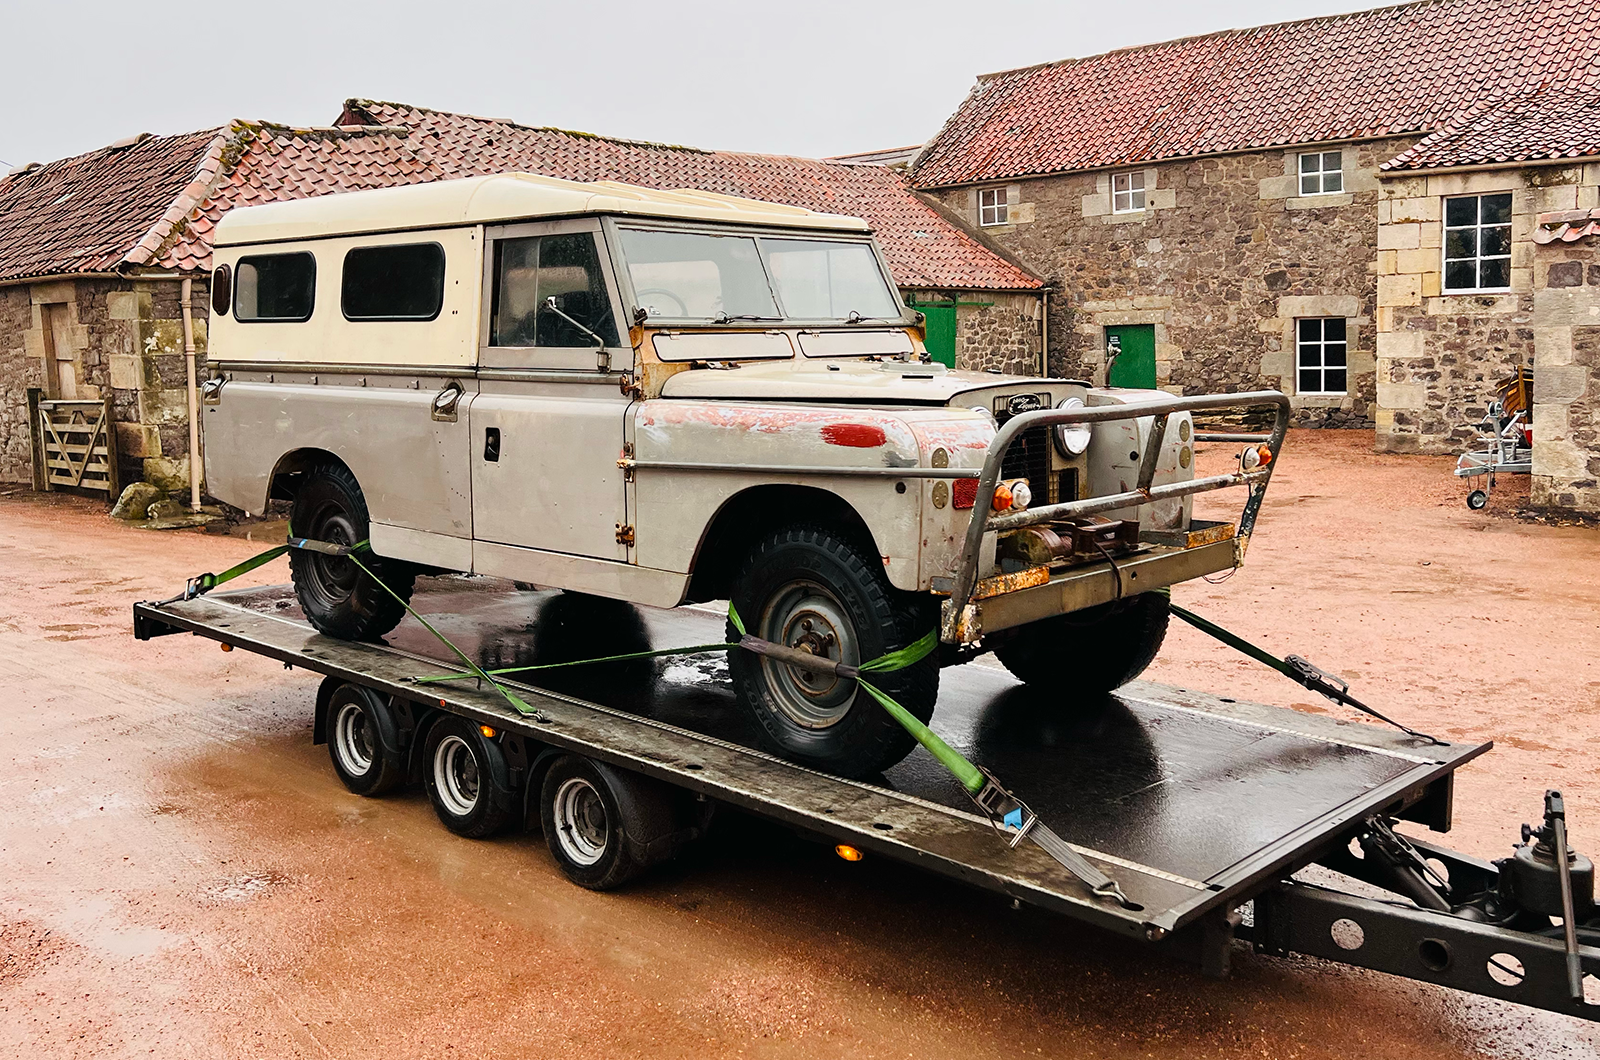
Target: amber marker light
(226,647)
(487,730)
(848,852)
(1002,497)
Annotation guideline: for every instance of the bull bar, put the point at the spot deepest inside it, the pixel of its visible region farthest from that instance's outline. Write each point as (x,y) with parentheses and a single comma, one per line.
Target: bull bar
(984,520)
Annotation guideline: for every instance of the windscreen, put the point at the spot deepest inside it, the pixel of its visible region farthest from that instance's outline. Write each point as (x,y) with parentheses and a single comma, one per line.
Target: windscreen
(697,276)
(826,280)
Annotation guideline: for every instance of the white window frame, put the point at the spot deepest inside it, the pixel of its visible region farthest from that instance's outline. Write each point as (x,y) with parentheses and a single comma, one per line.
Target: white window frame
(1321,173)
(1478,257)
(994,211)
(1320,346)
(1130,196)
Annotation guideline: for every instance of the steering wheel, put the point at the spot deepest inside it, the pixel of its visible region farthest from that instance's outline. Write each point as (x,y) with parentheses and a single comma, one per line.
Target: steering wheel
(683,309)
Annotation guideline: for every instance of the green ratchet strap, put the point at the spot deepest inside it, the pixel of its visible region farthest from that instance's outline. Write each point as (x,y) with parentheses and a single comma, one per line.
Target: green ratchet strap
(1005,812)
(1299,670)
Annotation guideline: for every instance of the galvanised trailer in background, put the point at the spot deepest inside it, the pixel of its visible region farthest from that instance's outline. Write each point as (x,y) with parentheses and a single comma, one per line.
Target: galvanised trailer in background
(1220,819)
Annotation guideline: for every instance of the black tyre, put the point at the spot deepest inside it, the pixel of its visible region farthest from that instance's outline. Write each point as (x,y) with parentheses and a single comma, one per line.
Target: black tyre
(816,590)
(363,741)
(337,598)
(1477,500)
(1090,651)
(467,778)
(604,825)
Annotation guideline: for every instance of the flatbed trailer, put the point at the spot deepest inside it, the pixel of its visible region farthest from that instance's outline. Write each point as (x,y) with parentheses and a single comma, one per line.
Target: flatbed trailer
(1203,808)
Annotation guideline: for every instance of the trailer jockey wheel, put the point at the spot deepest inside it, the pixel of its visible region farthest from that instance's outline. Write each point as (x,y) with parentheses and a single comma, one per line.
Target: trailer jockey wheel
(363,741)
(467,778)
(1477,500)
(604,825)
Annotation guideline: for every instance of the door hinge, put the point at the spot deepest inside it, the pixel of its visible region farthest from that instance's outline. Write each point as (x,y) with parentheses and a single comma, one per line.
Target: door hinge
(626,462)
(625,534)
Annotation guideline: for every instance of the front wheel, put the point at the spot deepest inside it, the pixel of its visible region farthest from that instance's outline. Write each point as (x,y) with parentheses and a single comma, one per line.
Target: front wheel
(817,591)
(338,598)
(1091,651)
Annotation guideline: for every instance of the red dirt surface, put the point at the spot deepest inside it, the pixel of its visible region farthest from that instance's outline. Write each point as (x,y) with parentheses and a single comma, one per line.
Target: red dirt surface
(182,875)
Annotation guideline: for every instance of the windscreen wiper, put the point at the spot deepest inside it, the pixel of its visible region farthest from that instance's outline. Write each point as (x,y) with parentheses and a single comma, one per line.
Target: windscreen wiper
(729,318)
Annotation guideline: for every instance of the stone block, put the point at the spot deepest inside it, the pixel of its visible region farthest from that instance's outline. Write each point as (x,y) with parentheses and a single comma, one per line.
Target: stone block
(122,305)
(1430,282)
(138,440)
(1552,345)
(1399,236)
(1388,262)
(170,474)
(1399,290)
(1560,384)
(1319,305)
(1565,274)
(1416,261)
(127,372)
(1399,345)
(59,291)
(1547,200)
(1317,202)
(1096,205)
(1283,186)
(1566,306)
(1423,208)
(1402,396)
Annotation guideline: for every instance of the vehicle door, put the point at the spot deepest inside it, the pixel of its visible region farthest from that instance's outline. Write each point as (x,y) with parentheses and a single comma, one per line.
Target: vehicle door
(547,422)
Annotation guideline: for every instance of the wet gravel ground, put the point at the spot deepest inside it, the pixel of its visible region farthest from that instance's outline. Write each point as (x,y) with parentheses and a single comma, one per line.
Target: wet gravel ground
(182,875)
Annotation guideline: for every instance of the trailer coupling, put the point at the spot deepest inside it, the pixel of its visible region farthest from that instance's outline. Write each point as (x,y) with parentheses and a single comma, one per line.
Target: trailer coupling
(1485,927)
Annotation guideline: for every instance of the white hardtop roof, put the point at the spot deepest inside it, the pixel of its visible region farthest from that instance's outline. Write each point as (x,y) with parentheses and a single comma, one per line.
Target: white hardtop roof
(500,198)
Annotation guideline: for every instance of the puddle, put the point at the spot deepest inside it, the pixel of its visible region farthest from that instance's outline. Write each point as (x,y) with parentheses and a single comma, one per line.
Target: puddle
(244,886)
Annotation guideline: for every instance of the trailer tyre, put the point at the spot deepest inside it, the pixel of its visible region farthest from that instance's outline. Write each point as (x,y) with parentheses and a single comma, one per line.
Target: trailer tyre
(604,825)
(1477,500)
(363,741)
(336,596)
(467,778)
(1091,651)
(814,589)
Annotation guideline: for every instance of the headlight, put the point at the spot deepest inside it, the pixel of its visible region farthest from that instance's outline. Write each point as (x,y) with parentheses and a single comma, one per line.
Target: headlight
(1021,495)
(1072,438)
(987,414)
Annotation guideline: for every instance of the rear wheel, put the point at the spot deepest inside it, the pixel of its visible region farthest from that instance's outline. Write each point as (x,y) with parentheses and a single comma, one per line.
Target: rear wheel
(467,778)
(605,825)
(1090,651)
(362,742)
(338,598)
(817,591)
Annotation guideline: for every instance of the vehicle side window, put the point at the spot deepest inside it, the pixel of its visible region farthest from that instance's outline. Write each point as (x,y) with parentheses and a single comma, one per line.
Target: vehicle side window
(393,283)
(275,287)
(530,272)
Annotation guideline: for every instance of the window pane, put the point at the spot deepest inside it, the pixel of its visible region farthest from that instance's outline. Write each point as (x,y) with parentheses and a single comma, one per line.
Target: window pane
(823,280)
(1310,163)
(569,272)
(1495,272)
(515,293)
(1461,243)
(1136,200)
(1333,381)
(1332,161)
(1496,209)
(1136,181)
(1310,381)
(1310,184)
(1310,329)
(1333,181)
(1333,329)
(687,274)
(1495,241)
(1333,355)
(275,287)
(1119,182)
(1460,275)
(1462,211)
(393,283)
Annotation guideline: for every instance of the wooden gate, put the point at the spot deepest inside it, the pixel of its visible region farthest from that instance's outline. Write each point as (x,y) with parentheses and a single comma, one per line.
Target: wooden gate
(74,444)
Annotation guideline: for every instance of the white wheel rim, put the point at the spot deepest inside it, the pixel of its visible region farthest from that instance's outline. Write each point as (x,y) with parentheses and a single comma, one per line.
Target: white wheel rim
(455,776)
(582,828)
(352,735)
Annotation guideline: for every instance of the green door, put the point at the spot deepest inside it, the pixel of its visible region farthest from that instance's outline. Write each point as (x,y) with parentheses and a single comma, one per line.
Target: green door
(1135,366)
(941,337)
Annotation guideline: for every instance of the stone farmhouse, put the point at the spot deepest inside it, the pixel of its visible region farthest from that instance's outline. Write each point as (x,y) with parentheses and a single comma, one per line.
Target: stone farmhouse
(1280,206)
(97,250)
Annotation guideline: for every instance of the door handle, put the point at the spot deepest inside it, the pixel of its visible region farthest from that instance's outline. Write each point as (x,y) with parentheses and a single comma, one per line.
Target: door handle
(491,444)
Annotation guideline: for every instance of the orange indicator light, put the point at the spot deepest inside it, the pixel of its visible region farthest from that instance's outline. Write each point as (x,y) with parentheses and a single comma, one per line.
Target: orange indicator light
(848,852)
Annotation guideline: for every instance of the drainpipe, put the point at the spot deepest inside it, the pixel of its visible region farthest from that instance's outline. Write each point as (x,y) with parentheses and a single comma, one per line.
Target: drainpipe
(194,396)
(1044,336)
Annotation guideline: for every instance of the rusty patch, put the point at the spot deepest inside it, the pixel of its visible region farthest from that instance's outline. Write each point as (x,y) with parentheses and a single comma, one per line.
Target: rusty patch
(1001,584)
(854,435)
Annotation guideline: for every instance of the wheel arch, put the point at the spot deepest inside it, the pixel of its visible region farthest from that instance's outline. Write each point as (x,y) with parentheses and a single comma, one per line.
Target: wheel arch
(753,513)
(284,479)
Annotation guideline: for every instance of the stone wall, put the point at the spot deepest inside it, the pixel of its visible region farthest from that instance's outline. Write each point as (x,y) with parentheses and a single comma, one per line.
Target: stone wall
(125,337)
(995,331)
(1223,259)
(1440,354)
(1566,376)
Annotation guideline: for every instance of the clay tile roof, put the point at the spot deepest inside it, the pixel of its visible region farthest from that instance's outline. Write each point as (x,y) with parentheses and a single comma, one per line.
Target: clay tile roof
(1375,73)
(1567,226)
(925,248)
(98,211)
(1545,126)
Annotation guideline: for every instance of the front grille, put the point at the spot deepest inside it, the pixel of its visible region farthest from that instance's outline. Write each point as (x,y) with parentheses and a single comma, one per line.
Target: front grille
(1029,458)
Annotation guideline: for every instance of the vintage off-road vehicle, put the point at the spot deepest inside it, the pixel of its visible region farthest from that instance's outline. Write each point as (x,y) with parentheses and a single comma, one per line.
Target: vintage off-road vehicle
(670,397)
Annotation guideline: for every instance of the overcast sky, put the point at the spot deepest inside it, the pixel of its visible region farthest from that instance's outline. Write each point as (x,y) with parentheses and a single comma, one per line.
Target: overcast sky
(818,77)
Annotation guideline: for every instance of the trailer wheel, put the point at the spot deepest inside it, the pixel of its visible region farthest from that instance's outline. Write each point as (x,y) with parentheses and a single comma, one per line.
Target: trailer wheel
(336,596)
(467,778)
(812,589)
(1090,651)
(604,826)
(363,741)
(1477,500)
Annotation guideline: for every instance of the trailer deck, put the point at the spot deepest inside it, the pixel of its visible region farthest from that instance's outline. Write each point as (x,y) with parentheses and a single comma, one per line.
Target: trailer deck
(1189,800)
